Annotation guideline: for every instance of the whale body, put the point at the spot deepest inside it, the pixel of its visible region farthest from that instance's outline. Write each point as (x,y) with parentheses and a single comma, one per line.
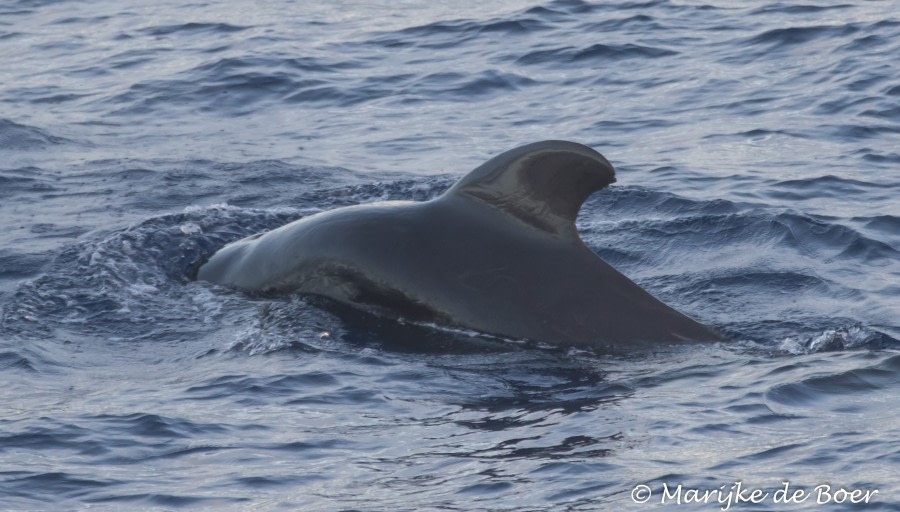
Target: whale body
(498,253)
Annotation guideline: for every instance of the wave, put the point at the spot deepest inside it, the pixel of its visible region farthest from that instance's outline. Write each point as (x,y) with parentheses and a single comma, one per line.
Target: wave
(681,224)
(25,180)
(14,360)
(786,40)
(599,52)
(888,224)
(790,36)
(464,29)
(797,9)
(842,338)
(191,28)
(854,382)
(20,137)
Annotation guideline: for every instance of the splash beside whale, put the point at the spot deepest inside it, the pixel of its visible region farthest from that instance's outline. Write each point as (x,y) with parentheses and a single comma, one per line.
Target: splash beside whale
(498,253)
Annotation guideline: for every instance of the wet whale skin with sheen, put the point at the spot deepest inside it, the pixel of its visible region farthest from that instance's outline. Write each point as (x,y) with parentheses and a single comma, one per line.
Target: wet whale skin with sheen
(498,253)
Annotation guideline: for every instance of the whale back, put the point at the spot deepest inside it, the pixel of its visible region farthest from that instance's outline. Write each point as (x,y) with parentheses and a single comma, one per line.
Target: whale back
(542,184)
(498,253)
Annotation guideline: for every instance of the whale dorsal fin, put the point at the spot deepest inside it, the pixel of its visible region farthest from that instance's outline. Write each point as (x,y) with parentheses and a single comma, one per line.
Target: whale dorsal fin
(542,184)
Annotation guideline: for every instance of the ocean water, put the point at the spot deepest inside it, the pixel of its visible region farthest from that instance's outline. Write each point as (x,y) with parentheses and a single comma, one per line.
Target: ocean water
(757,145)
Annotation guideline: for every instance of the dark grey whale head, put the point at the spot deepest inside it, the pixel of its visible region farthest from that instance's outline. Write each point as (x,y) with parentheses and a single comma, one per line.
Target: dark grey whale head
(543,184)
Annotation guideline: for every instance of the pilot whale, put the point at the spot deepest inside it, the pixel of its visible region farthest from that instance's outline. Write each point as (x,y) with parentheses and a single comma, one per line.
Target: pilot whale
(497,253)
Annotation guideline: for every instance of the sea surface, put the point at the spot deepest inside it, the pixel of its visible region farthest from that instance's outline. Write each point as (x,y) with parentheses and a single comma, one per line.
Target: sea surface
(757,146)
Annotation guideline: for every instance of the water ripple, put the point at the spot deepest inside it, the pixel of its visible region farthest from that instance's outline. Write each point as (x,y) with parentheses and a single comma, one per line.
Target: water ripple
(755,146)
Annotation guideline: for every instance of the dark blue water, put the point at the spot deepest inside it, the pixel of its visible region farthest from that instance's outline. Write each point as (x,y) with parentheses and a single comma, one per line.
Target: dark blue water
(758,154)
